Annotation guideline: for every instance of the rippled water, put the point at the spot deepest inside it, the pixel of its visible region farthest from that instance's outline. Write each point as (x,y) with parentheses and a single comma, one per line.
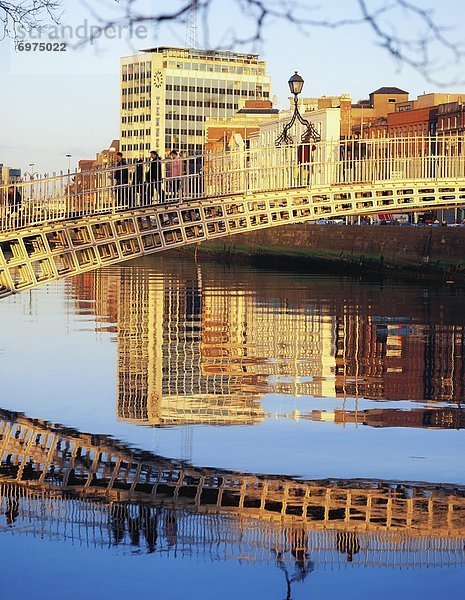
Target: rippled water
(182,430)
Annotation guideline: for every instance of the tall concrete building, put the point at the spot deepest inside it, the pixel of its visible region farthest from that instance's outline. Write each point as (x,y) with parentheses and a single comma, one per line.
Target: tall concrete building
(168,93)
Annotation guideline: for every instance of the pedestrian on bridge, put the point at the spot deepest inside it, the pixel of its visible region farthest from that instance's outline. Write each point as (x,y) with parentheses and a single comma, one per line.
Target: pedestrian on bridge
(174,168)
(14,202)
(14,198)
(305,156)
(138,191)
(154,178)
(121,177)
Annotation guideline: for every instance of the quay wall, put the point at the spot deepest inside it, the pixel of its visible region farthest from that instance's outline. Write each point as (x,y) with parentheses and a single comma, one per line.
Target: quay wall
(428,252)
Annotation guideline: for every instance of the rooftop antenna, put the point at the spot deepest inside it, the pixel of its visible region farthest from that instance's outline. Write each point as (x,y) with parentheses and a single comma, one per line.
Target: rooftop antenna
(191,26)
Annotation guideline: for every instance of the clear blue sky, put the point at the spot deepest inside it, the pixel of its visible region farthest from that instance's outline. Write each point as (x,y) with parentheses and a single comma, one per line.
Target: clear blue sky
(54,103)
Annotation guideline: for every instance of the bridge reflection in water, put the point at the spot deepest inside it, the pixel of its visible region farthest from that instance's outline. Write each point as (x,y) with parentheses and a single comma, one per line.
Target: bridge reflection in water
(56,482)
(193,349)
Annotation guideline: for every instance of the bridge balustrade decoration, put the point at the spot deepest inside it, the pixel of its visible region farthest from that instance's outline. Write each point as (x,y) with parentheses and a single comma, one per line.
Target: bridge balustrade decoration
(64,483)
(61,225)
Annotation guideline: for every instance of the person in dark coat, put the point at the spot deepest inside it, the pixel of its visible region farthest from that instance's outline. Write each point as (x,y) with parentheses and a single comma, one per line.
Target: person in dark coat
(155,178)
(195,176)
(14,198)
(121,177)
(138,192)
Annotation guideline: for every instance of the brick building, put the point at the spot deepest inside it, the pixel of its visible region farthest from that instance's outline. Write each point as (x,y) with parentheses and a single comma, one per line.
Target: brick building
(245,123)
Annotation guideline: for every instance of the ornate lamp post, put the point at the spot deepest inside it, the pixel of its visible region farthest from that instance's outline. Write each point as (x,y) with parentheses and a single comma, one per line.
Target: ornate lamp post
(296,83)
(31,174)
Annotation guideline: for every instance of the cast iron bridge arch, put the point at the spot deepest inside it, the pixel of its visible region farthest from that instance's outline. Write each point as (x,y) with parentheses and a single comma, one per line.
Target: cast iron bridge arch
(64,225)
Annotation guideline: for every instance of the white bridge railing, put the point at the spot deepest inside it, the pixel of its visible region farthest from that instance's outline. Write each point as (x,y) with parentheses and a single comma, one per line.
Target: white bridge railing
(214,175)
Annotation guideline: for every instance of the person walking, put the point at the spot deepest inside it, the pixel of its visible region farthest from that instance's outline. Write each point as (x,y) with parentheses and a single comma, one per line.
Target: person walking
(121,177)
(174,167)
(14,198)
(138,185)
(14,203)
(154,178)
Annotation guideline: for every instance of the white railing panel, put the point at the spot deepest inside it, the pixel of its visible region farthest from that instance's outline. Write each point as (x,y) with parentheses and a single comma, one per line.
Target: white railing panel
(219,174)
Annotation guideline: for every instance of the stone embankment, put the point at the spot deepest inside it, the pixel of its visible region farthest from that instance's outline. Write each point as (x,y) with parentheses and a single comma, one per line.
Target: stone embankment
(394,251)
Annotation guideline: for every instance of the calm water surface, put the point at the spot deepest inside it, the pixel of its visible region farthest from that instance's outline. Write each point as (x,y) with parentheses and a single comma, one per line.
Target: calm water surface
(181,430)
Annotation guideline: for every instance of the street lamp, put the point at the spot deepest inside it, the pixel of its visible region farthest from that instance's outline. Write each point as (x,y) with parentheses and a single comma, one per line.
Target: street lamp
(31,174)
(296,83)
(68,156)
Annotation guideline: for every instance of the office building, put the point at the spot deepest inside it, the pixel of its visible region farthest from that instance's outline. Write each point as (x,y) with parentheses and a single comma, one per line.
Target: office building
(167,94)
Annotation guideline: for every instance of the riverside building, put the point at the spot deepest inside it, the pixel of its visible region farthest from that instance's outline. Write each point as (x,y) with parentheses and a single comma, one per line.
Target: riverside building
(168,93)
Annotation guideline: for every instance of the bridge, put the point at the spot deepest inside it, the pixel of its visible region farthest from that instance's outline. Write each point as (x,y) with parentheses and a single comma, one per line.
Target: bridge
(56,482)
(63,225)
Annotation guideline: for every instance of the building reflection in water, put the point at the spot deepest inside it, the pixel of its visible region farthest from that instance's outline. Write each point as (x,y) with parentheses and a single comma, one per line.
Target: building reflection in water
(205,345)
(59,483)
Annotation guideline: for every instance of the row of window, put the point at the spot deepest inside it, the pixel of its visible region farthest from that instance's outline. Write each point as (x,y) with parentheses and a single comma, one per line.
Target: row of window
(137,118)
(250,92)
(188,147)
(135,133)
(145,89)
(135,76)
(131,147)
(243,91)
(217,68)
(418,129)
(169,131)
(177,117)
(448,122)
(200,103)
(136,104)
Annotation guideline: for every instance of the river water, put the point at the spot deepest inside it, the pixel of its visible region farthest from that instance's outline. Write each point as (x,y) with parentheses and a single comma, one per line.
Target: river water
(190,430)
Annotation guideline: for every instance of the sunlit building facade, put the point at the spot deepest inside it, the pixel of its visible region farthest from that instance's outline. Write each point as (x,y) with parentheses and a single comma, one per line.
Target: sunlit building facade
(168,93)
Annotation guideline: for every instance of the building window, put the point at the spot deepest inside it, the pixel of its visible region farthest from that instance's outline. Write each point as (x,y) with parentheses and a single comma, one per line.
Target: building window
(391,100)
